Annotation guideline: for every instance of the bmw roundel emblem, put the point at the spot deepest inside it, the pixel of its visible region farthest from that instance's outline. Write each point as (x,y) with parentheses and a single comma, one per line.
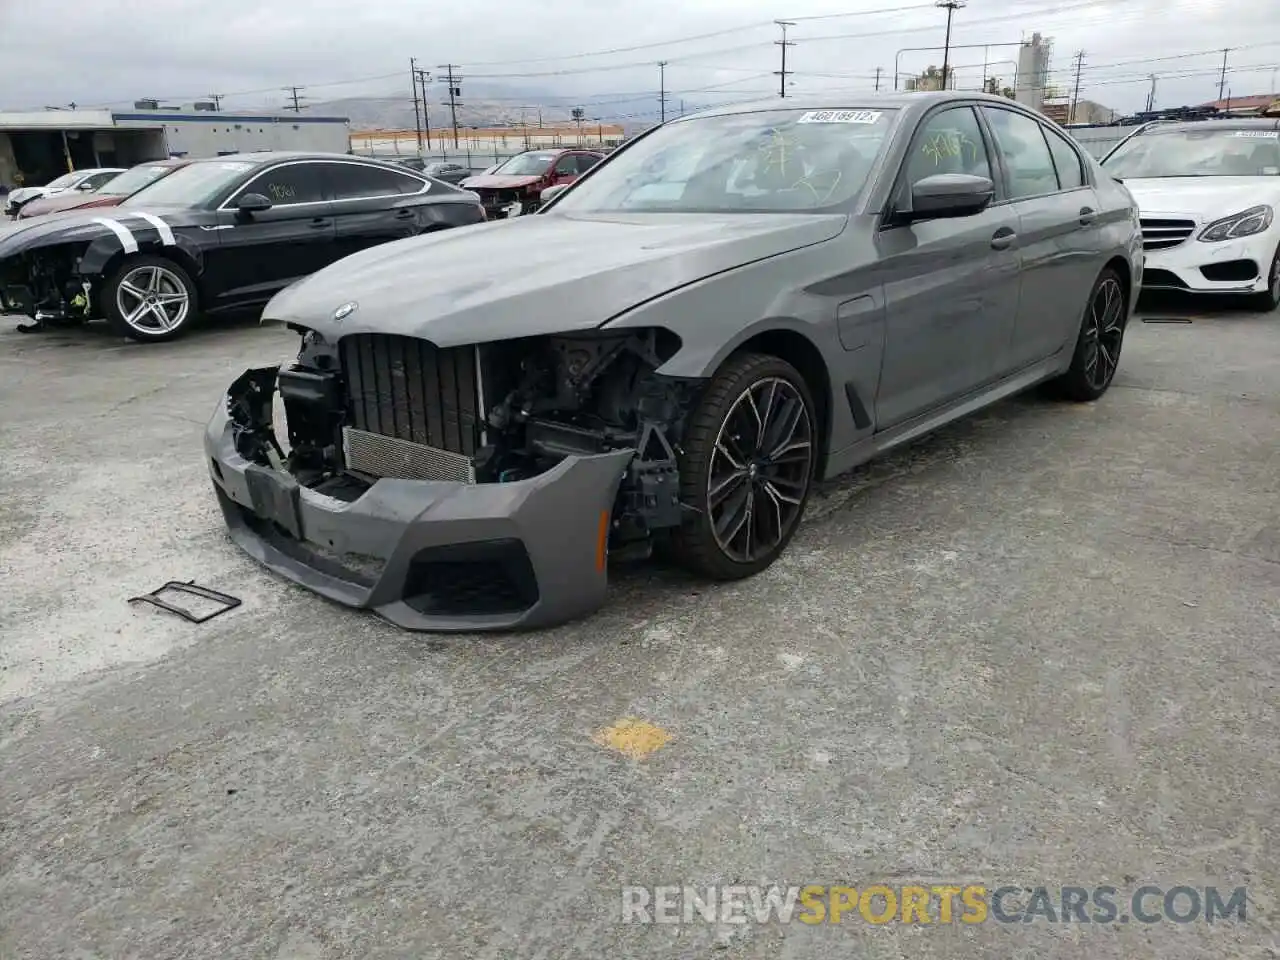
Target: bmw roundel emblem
(344,311)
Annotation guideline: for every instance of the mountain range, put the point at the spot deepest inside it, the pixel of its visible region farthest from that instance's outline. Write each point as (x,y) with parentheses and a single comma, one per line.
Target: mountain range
(490,105)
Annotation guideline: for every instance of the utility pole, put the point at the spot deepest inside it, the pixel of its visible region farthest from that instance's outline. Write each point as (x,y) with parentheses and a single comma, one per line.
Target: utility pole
(217,101)
(783,44)
(455,92)
(951,6)
(1151,95)
(417,109)
(293,95)
(1222,80)
(1075,96)
(878,69)
(423,78)
(662,91)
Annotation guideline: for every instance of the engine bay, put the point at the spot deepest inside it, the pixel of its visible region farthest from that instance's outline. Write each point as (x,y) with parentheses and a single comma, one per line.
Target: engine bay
(357,411)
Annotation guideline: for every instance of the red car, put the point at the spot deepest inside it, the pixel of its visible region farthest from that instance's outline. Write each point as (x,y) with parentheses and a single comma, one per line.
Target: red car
(108,195)
(515,187)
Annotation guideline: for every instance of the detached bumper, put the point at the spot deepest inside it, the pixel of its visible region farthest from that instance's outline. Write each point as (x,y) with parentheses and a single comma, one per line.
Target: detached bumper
(431,556)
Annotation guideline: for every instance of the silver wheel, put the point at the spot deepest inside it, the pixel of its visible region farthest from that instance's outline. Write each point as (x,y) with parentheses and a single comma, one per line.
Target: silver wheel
(153,300)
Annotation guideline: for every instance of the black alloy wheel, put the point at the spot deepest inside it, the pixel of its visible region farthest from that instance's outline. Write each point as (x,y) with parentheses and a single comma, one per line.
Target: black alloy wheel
(1097,354)
(747,466)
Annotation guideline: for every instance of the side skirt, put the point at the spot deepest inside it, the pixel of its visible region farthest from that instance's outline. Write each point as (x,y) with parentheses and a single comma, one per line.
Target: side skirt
(859,453)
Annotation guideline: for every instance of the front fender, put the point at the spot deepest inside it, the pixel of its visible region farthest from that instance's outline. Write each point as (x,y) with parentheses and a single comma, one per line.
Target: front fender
(103,255)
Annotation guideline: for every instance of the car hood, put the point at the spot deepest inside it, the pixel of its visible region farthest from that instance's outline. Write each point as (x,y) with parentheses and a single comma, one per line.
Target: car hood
(59,203)
(23,194)
(546,273)
(1205,198)
(498,182)
(78,225)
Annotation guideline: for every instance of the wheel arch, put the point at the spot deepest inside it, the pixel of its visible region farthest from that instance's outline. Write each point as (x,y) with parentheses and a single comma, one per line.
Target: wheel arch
(1121,266)
(795,348)
(103,263)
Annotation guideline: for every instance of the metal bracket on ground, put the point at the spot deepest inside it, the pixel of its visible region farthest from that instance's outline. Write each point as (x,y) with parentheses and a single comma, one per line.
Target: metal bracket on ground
(154,598)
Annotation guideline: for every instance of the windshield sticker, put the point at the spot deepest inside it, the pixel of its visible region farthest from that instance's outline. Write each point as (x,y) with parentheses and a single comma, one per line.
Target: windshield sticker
(841,116)
(1258,134)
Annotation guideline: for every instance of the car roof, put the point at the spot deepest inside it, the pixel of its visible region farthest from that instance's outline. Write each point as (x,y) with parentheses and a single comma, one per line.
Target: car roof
(855,101)
(1228,123)
(89,171)
(264,157)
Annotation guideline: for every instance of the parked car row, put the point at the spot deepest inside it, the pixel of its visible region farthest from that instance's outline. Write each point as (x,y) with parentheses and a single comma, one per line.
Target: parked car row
(671,350)
(78,181)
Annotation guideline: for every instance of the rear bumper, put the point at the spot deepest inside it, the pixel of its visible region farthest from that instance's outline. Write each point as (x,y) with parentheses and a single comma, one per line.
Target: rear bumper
(430,556)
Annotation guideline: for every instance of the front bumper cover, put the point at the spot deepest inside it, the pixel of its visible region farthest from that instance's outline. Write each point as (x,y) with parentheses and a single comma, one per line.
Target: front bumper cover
(1189,267)
(430,556)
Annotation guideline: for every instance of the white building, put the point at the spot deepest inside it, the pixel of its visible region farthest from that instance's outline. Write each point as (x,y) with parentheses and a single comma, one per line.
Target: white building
(45,144)
(1033,71)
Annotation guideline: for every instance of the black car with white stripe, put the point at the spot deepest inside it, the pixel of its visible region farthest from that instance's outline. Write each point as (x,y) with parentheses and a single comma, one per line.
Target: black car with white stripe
(218,235)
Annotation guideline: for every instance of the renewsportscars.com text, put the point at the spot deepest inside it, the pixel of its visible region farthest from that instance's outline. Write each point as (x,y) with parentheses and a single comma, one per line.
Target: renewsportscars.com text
(941,904)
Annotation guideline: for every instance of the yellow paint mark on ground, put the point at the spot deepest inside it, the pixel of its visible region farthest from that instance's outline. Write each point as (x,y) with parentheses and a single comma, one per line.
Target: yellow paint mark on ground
(633,738)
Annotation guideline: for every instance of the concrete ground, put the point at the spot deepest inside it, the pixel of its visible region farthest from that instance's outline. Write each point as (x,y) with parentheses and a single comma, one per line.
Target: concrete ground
(1036,648)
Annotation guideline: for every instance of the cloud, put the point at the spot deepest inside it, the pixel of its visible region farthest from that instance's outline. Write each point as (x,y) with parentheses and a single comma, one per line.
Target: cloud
(64,51)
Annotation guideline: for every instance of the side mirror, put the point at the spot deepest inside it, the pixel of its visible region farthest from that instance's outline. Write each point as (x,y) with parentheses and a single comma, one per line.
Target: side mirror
(84,185)
(253,203)
(949,195)
(550,193)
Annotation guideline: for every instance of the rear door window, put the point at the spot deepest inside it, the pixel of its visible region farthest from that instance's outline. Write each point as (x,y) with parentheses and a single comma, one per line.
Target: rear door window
(1066,160)
(356,181)
(1027,160)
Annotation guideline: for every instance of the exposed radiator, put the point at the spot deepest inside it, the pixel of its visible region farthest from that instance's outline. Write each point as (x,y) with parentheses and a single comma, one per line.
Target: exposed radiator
(381,456)
(412,390)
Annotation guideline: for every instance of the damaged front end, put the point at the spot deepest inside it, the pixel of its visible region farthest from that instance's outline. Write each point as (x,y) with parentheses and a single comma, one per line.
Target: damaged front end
(455,488)
(46,285)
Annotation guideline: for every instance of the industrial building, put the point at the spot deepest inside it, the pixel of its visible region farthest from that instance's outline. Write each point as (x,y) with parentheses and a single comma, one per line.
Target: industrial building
(45,144)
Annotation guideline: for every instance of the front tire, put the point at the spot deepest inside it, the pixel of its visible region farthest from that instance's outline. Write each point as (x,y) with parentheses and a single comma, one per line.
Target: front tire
(746,466)
(1097,354)
(149,299)
(1270,299)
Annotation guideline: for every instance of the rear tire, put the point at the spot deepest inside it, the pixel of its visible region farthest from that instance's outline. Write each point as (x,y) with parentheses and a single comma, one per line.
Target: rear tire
(1097,353)
(1270,300)
(149,299)
(746,467)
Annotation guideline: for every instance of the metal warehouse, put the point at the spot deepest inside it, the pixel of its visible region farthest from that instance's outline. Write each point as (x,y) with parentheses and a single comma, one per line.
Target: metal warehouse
(45,144)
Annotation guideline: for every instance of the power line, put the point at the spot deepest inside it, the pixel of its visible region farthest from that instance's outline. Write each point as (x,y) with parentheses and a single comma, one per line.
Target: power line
(662,89)
(423,78)
(782,45)
(1075,96)
(951,6)
(455,91)
(417,108)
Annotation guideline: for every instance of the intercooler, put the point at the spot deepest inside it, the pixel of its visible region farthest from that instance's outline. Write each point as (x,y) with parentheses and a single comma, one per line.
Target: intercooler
(415,408)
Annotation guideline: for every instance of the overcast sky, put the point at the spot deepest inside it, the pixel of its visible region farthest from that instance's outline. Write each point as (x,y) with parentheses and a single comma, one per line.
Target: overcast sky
(114,51)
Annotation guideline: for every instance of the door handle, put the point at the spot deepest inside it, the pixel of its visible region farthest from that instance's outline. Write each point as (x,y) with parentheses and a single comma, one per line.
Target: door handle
(1003,239)
(1087,216)
(319,223)
(404,215)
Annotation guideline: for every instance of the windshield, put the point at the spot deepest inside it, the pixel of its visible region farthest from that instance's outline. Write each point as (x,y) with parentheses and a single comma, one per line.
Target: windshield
(527,165)
(775,160)
(66,180)
(1198,153)
(192,185)
(131,181)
